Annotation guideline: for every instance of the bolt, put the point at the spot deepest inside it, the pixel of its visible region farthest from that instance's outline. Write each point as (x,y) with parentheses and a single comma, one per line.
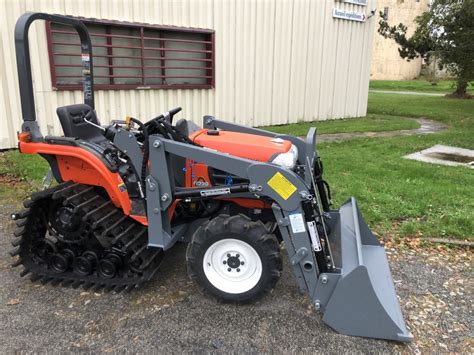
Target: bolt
(229,269)
(224,262)
(304,194)
(253,188)
(156,144)
(164,197)
(156,210)
(238,270)
(324,279)
(317,304)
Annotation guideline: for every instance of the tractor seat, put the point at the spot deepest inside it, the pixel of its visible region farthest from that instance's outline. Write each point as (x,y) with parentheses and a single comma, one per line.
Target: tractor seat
(178,164)
(74,125)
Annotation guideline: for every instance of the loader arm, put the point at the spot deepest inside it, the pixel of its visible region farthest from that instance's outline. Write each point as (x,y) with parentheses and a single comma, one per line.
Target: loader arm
(354,288)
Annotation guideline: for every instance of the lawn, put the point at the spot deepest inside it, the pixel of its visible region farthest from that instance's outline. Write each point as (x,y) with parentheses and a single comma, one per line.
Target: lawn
(371,123)
(402,196)
(398,197)
(421,85)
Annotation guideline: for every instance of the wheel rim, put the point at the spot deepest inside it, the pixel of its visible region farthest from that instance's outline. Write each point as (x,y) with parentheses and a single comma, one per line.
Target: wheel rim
(232,266)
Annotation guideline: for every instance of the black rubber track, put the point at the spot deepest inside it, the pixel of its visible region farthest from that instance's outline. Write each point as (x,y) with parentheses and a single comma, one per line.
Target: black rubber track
(104,227)
(242,228)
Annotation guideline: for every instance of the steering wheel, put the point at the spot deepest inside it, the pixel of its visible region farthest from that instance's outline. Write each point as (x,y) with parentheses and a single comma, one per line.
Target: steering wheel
(163,124)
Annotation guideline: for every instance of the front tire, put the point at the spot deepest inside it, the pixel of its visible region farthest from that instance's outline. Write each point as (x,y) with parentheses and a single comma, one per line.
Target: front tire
(234,259)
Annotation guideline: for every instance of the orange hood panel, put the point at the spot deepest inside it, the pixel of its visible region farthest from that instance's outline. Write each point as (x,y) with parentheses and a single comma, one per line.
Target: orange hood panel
(242,145)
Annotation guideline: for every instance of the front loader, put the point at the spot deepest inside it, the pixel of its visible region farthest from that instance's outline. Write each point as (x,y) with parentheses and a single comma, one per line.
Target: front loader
(127,192)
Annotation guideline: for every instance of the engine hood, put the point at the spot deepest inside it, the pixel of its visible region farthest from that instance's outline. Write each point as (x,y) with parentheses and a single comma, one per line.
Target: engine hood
(242,145)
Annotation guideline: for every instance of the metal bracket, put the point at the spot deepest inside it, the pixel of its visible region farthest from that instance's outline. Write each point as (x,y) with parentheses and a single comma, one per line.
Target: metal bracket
(48,179)
(127,143)
(283,222)
(299,256)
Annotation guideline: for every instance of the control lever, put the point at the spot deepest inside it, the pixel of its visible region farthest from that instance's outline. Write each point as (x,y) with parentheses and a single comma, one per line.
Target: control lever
(168,116)
(84,116)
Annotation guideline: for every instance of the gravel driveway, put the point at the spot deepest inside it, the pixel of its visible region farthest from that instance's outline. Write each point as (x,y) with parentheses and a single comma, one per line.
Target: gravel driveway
(435,287)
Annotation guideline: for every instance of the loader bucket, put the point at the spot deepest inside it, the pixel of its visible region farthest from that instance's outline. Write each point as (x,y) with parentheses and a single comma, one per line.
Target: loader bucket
(363,301)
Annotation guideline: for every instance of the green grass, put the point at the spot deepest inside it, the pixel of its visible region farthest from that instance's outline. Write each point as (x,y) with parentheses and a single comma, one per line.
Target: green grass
(415,197)
(421,85)
(25,167)
(371,123)
(20,175)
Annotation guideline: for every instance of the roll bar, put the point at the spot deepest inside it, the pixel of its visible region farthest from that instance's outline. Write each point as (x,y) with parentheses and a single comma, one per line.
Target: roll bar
(24,65)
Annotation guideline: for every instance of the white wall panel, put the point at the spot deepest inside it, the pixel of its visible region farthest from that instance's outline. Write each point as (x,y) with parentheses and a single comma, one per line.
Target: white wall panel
(277,62)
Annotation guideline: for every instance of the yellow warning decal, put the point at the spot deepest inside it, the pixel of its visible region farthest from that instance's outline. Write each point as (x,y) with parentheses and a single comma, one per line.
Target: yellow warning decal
(281,185)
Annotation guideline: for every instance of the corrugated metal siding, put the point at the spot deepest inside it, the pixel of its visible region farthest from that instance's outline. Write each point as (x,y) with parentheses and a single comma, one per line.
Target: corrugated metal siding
(276,62)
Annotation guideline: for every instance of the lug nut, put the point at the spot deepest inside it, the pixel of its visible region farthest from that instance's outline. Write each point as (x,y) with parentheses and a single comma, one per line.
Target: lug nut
(228,255)
(229,269)
(242,263)
(237,255)
(224,262)
(238,270)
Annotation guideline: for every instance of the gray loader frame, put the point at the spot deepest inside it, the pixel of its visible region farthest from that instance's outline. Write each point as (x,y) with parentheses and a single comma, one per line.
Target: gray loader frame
(357,296)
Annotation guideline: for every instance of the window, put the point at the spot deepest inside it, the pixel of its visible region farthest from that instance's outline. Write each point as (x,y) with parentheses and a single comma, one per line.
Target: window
(131,56)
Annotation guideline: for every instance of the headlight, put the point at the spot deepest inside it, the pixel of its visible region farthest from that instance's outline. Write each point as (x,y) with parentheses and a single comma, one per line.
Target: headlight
(287,160)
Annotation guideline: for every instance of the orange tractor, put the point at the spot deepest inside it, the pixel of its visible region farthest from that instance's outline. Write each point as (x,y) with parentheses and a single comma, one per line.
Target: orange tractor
(128,191)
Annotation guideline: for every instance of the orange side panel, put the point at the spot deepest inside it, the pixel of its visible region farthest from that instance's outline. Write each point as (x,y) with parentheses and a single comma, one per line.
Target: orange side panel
(83,167)
(197,175)
(243,145)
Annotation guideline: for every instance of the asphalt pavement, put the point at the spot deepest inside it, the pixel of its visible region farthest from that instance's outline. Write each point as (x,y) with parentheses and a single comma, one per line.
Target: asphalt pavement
(170,315)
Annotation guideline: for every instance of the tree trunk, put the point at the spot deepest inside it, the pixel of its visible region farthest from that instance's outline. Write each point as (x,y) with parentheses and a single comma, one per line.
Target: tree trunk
(461,87)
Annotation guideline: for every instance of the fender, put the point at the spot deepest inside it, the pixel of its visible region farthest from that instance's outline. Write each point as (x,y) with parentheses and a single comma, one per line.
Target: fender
(81,166)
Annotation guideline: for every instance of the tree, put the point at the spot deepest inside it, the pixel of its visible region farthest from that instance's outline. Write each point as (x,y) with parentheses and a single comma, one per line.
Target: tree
(446,32)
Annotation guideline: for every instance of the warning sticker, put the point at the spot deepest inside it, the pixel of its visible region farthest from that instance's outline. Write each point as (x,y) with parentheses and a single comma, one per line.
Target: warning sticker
(297,223)
(313,233)
(281,185)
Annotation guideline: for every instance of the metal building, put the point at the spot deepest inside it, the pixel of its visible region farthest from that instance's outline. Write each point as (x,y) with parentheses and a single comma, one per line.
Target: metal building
(386,61)
(254,62)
